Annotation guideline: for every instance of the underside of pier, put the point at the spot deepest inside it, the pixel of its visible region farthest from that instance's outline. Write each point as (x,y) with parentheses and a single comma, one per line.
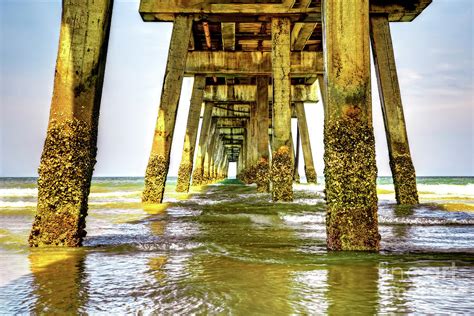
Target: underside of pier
(256,64)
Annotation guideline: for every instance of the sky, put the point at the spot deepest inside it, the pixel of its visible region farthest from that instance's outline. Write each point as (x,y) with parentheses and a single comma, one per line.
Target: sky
(434,56)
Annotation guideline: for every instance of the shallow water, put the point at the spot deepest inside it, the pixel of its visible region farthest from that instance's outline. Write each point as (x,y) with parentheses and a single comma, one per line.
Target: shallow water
(226,249)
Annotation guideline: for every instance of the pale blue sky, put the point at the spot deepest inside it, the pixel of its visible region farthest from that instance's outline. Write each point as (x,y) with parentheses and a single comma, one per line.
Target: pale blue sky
(434,57)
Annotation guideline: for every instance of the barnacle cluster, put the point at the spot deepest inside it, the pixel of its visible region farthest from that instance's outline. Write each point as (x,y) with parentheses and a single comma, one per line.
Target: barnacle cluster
(65,173)
(351,195)
(282,174)
(198,178)
(184,176)
(155,179)
(310,175)
(404,180)
(263,176)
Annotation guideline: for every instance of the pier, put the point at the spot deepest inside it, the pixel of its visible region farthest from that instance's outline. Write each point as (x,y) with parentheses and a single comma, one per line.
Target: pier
(255,64)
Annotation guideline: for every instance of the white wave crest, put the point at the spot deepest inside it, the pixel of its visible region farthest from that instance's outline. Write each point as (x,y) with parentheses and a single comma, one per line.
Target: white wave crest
(17,192)
(18,204)
(114,194)
(466,190)
(305,219)
(419,221)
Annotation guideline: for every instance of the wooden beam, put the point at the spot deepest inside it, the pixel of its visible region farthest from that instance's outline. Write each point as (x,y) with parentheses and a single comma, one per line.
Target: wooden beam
(300,35)
(228,36)
(250,63)
(207,34)
(166,10)
(248,93)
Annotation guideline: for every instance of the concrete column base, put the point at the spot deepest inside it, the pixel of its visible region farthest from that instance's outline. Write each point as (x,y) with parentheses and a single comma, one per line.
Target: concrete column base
(310,175)
(351,174)
(155,179)
(282,175)
(263,176)
(65,173)
(404,180)
(184,176)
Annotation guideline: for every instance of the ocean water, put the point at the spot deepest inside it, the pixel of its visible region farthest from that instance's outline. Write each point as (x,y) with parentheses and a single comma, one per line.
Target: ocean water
(224,249)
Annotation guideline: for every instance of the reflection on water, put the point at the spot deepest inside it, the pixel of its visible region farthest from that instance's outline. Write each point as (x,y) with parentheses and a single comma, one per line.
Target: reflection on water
(229,250)
(58,281)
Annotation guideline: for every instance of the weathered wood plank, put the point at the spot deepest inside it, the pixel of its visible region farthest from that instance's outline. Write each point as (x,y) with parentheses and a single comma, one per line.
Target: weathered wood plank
(228,36)
(169,7)
(166,10)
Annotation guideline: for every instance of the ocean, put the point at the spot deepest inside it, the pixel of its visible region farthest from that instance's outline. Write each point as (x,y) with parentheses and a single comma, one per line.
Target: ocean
(225,249)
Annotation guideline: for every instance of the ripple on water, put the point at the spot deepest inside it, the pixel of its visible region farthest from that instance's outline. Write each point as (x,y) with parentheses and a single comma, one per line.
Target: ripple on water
(229,250)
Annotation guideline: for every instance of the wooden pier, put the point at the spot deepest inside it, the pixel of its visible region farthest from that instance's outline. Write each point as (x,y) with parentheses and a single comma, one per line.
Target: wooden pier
(255,64)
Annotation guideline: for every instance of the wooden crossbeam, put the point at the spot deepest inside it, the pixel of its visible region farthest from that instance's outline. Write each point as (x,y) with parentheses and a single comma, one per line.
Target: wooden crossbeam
(300,35)
(249,63)
(248,93)
(228,36)
(166,10)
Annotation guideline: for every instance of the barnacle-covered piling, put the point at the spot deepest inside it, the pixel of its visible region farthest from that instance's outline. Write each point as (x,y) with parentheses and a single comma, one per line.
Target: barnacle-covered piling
(69,152)
(189,145)
(157,169)
(282,159)
(404,179)
(350,168)
(65,173)
(263,176)
(155,179)
(350,175)
(403,171)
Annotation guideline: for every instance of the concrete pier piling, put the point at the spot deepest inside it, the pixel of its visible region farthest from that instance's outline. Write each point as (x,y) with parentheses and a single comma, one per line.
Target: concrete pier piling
(69,151)
(158,164)
(263,159)
(282,161)
(310,171)
(203,139)
(296,155)
(403,171)
(186,165)
(350,169)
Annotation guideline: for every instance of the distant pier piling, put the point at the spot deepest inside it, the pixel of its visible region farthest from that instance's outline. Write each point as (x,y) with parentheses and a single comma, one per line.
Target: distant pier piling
(187,158)
(158,164)
(403,171)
